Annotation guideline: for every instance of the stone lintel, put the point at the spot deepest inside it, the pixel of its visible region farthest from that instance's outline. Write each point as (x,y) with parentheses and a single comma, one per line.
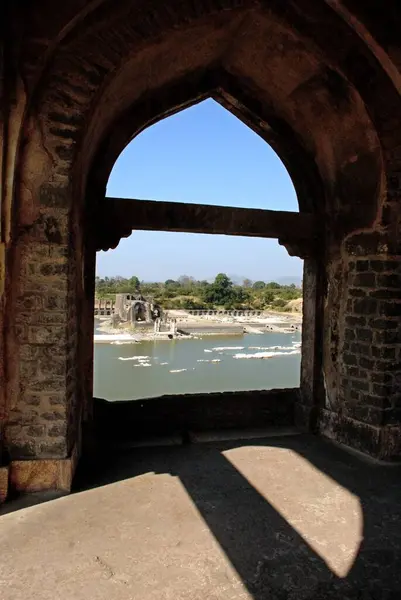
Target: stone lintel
(27,476)
(122,215)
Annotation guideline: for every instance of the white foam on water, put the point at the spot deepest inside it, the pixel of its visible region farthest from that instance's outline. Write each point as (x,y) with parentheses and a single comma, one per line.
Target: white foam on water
(222,348)
(140,358)
(124,338)
(206,350)
(178,370)
(265,354)
(271,347)
(214,360)
(164,363)
(142,364)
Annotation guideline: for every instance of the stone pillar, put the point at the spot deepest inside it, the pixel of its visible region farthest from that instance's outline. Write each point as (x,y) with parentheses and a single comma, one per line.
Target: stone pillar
(157,325)
(41,430)
(86,345)
(173,327)
(311,388)
(367,412)
(311,396)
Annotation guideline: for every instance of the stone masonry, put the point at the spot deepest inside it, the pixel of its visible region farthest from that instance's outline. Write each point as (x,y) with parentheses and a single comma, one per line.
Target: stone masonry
(319,81)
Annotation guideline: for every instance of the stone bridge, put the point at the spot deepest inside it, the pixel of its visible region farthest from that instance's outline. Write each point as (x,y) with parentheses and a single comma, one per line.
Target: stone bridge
(319,81)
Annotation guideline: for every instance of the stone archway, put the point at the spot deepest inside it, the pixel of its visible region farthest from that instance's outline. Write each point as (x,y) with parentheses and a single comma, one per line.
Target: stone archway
(314,82)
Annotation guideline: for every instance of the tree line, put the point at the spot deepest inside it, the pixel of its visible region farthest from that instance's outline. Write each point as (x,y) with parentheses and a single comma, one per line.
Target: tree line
(188,293)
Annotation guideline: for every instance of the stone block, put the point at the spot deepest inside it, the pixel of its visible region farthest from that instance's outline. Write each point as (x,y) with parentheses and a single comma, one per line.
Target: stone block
(392,280)
(47,334)
(391,336)
(365,279)
(391,443)
(54,197)
(381,266)
(27,476)
(4,473)
(383,352)
(365,244)
(365,306)
(361,386)
(53,269)
(350,432)
(349,335)
(364,335)
(357,293)
(349,359)
(362,265)
(352,321)
(381,442)
(383,324)
(385,294)
(361,349)
(390,309)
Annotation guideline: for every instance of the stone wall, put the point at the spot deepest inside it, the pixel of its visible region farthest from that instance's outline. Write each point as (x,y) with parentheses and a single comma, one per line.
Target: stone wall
(124,422)
(321,85)
(362,406)
(38,398)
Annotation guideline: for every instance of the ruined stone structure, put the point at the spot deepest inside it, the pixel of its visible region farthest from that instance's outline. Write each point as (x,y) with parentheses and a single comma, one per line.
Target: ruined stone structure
(104,308)
(319,81)
(225,313)
(133,308)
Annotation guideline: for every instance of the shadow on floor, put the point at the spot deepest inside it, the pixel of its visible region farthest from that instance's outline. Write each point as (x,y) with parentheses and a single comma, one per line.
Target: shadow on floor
(274,561)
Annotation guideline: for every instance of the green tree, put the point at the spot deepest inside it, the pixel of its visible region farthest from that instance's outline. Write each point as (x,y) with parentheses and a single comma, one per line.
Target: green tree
(259,285)
(220,292)
(273,285)
(268,297)
(171,283)
(134,282)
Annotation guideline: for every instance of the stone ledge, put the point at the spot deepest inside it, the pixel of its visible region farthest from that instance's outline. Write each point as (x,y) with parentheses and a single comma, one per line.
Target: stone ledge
(27,476)
(305,416)
(4,474)
(179,414)
(381,442)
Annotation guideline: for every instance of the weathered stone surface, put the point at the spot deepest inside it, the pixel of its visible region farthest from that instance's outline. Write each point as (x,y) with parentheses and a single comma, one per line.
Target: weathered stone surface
(118,421)
(28,476)
(319,81)
(4,473)
(39,475)
(129,214)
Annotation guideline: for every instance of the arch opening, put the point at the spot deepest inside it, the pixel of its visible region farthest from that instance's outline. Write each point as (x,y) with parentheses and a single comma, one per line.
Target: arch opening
(280,76)
(201,152)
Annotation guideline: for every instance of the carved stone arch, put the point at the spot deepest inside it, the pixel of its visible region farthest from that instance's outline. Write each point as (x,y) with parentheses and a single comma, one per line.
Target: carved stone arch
(322,87)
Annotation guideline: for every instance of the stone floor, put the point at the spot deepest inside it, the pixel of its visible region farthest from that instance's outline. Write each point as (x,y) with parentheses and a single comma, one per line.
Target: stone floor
(279,518)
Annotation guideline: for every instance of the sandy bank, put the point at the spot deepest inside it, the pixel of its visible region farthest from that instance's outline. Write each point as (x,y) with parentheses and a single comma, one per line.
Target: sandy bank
(199,326)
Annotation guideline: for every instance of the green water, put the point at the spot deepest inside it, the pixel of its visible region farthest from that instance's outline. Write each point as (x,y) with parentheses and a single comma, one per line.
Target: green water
(119,379)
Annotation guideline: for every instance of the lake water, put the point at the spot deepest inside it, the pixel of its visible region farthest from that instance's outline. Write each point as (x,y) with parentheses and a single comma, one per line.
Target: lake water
(155,368)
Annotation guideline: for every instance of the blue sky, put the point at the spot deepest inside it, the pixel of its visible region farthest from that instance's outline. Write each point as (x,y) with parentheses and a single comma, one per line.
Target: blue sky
(201,155)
